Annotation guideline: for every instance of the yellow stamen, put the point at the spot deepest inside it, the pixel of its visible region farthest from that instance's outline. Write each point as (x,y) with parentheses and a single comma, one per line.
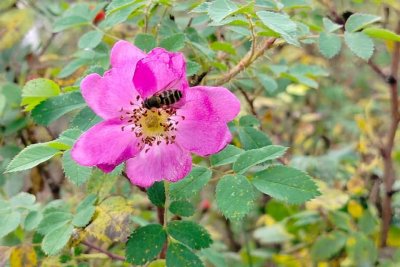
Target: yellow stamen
(154,123)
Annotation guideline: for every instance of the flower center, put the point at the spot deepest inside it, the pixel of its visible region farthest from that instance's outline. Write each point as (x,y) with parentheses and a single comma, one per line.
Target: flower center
(153,123)
(150,126)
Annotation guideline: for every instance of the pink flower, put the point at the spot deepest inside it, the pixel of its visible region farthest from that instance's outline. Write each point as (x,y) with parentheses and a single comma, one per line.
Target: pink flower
(155,143)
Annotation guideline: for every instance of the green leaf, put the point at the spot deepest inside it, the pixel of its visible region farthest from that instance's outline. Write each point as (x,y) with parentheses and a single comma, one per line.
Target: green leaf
(56,239)
(341,220)
(257,156)
(174,42)
(280,23)
(286,184)
(76,173)
(85,119)
(252,138)
(329,44)
(269,83)
(145,41)
(226,156)
(68,137)
(31,156)
(32,220)
(65,23)
(223,46)
(358,21)
(145,243)
(53,108)
(328,245)
(191,184)
(73,66)
(156,194)
(90,39)
(9,222)
(220,9)
(192,68)
(179,255)
(330,26)
(37,90)
(83,217)
(360,44)
(235,196)
(53,220)
(189,233)
(384,34)
(367,223)
(182,208)
(23,200)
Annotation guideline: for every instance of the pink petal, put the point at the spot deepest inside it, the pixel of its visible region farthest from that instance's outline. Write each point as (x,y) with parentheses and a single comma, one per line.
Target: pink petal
(107,95)
(206,101)
(124,54)
(160,70)
(203,137)
(163,162)
(207,111)
(105,145)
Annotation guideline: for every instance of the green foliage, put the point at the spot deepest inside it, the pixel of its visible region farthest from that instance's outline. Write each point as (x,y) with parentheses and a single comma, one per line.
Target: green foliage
(36,91)
(226,156)
(191,184)
(358,21)
(360,44)
(145,243)
(235,196)
(329,44)
(182,208)
(252,138)
(174,42)
(31,156)
(286,184)
(327,246)
(85,119)
(53,108)
(90,39)
(146,42)
(76,173)
(179,255)
(257,156)
(281,24)
(156,194)
(298,97)
(190,234)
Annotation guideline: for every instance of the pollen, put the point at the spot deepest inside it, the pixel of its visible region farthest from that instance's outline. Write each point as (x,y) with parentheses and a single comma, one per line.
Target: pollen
(151,126)
(154,123)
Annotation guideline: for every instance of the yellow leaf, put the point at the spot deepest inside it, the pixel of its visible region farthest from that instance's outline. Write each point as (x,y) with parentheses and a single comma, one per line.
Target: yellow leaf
(157,263)
(297,89)
(355,209)
(394,237)
(5,253)
(330,199)
(23,256)
(111,221)
(286,260)
(265,220)
(13,26)
(356,186)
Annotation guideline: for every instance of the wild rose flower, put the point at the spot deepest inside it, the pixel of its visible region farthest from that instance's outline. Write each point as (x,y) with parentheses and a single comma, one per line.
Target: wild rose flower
(155,143)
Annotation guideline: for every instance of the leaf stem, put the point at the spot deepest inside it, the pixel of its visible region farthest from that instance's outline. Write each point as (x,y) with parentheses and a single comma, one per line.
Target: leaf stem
(109,254)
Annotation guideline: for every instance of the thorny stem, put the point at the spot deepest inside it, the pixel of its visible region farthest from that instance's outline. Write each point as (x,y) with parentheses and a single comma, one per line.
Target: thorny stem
(246,61)
(389,175)
(386,151)
(109,254)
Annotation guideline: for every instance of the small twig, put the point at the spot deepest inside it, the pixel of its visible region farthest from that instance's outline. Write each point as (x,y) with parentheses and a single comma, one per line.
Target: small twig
(109,254)
(248,100)
(246,61)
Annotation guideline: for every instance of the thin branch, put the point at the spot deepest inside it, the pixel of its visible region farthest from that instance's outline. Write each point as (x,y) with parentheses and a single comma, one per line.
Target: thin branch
(109,254)
(246,61)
